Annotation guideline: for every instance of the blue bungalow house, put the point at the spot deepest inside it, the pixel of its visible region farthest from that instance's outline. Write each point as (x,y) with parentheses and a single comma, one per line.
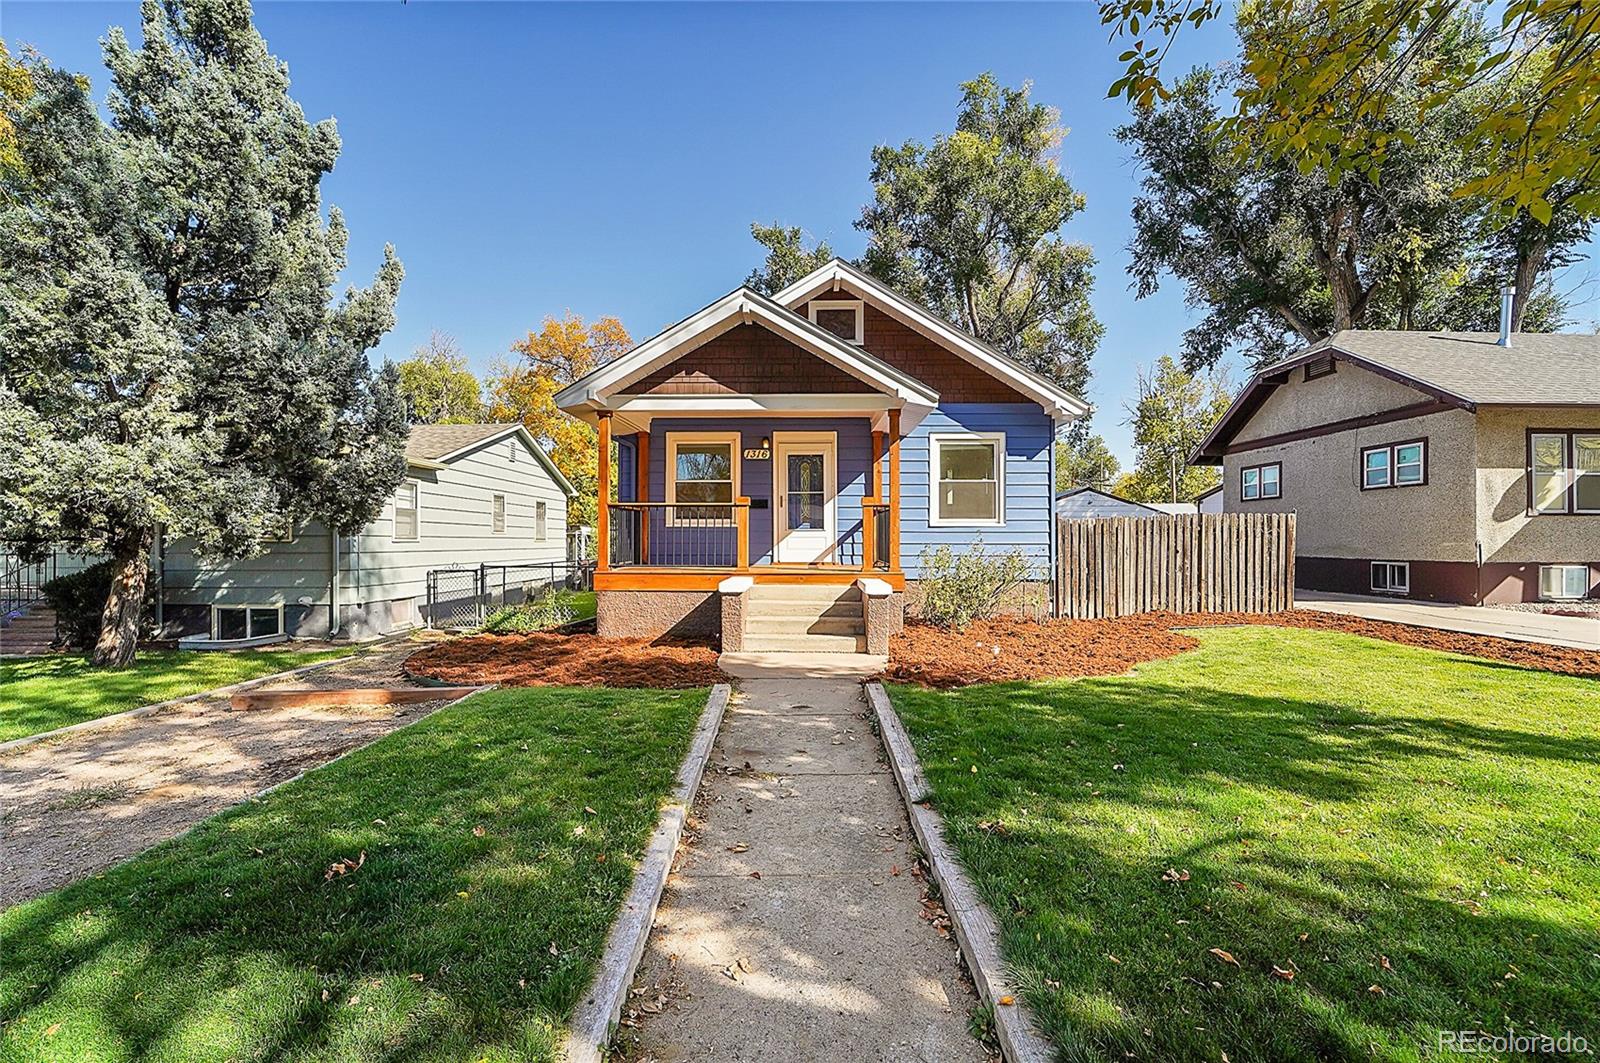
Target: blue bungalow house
(782,463)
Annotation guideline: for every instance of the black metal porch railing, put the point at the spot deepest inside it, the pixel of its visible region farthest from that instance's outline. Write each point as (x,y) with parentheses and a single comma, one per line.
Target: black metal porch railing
(667,535)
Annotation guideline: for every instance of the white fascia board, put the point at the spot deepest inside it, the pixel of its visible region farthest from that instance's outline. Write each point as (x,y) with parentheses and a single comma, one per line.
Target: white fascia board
(670,404)
(837,274)
(738,307)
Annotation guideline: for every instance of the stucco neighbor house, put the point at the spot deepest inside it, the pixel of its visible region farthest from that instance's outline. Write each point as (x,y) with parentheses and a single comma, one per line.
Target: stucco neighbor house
(1448,466)
(473,493)
(783,462)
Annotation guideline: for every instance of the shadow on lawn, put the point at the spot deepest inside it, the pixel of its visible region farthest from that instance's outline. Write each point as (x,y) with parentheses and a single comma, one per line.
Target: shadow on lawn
(1318,836)
(232,942)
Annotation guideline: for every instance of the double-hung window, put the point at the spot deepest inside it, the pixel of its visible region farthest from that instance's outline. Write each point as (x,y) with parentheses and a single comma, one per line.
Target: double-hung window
(1395,465)
(1257,482)
(539,521)
(407,513)
(1563,471)
(703,472)
(497,517)
(968,473)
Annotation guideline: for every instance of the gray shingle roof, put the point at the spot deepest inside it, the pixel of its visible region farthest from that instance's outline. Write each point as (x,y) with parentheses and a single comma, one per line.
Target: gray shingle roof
(433,441)
(1538,367)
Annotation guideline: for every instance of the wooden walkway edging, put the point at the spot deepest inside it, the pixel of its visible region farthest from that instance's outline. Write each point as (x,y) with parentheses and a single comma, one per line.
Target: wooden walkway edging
(1108,567)
(594,1019)
(976,930)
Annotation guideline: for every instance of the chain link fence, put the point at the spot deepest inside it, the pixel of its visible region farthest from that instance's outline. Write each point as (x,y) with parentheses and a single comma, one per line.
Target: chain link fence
(462,597)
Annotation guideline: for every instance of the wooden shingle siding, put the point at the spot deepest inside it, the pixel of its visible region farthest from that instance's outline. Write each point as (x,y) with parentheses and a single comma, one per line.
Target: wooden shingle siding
(747,360)
(1029,493)
(956,379)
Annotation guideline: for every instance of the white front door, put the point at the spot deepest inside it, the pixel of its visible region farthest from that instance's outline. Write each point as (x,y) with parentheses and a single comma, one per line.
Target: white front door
(804,475)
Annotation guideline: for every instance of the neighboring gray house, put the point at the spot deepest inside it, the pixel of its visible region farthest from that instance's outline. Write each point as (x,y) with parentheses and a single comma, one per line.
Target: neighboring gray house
(1211,501)
(1091,502)
(473,494)
(1451,466)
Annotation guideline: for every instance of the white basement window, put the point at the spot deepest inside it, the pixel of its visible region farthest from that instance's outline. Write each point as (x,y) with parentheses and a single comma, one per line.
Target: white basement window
(246,621)
(704,475)
(407,513)
(1391,577)
(1563,581)
(499,516)
(968,472)
(845,318)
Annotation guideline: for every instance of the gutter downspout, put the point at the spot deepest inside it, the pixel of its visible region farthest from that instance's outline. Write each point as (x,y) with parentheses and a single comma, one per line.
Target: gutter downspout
(333,585)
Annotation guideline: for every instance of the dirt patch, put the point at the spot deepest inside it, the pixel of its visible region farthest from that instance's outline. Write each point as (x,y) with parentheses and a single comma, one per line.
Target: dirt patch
(547,659)
(1004,649)
(85,801)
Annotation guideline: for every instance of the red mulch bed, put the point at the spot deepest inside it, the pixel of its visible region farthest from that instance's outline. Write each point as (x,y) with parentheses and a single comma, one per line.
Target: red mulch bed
(1065,648)
(548,659)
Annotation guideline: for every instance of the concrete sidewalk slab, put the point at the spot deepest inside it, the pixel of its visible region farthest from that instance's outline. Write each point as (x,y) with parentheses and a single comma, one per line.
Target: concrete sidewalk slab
(794,928)
(1577,632)
(802,665)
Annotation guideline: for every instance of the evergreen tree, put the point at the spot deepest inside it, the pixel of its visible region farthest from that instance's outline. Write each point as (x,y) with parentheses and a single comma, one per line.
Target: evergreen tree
(175,356)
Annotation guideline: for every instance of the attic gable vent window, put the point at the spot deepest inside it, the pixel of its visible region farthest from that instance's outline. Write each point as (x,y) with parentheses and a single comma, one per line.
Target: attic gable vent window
(844,318)
(1319,367)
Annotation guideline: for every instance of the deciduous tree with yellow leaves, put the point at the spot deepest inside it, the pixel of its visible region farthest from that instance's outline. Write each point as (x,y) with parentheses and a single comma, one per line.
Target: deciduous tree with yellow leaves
(523,388)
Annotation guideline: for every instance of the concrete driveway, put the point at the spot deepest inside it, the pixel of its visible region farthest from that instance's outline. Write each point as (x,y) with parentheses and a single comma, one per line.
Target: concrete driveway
(1575,631)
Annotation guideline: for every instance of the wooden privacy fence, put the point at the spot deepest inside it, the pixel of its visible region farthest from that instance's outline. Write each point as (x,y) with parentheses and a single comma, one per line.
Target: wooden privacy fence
(1200,563)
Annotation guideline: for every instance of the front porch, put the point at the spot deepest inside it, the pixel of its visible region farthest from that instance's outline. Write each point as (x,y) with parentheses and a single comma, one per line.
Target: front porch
(779,500)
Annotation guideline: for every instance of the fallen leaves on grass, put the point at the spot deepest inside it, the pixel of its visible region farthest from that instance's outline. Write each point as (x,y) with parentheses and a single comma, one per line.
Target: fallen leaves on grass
(1172,874)
(340,868)
(1225,956)
(1283,973)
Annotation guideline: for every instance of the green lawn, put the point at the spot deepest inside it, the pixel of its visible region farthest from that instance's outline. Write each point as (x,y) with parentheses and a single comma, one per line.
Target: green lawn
(39,694)
(1414,836)
(500,838)
(583,603)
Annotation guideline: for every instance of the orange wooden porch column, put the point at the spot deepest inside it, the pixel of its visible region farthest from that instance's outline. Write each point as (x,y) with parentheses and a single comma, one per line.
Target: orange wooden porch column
(894,490)
(602,523)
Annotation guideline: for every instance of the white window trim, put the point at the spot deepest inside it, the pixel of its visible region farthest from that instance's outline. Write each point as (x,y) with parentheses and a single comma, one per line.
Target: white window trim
(1564,472)
(1562,596)
(1403,566)
(274,606)
(501,499)
(541,521)
(859,306)
(1261,482)
(394,521)
(935,441)
(734,441)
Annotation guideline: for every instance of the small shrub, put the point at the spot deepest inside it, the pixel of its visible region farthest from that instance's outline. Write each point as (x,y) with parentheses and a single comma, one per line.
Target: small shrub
(960,588)
(537,614)
(79,599)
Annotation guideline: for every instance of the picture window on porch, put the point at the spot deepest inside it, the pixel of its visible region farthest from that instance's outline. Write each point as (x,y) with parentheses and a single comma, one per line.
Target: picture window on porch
(969,479)
(702,467)
(845,318)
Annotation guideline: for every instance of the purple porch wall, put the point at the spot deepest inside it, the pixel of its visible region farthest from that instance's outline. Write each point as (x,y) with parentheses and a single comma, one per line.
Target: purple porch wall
(854,475)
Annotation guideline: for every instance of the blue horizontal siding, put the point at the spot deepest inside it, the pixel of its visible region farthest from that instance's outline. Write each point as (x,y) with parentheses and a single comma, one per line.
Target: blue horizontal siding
(1028,487)
(854,465)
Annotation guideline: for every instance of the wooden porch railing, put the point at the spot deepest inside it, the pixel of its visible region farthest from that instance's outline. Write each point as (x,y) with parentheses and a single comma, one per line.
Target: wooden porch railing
(680,535)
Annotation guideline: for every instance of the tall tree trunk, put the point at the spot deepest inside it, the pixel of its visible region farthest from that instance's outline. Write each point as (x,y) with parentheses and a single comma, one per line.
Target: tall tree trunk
(119,623)
(1529,260)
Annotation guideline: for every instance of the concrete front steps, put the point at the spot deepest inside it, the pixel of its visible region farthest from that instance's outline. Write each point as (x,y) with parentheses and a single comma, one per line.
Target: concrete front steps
(800,618)
(29,634)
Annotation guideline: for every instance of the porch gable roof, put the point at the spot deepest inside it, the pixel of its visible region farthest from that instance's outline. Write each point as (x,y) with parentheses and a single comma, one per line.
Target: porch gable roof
(606,387)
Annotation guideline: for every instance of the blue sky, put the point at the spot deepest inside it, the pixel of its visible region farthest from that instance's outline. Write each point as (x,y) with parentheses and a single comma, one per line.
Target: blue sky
(526,159)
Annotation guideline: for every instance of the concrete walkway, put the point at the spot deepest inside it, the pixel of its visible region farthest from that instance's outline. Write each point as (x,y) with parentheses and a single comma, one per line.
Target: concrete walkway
(1576,631)
(794,927)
